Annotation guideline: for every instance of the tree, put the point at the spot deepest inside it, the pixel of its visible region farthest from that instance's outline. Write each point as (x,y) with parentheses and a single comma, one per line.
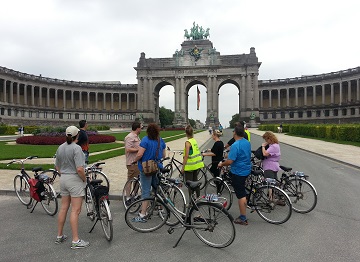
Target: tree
(235,118)
(192,122)
(166,116)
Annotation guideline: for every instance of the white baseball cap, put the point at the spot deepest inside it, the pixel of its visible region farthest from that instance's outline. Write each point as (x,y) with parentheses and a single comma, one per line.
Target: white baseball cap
(72,130)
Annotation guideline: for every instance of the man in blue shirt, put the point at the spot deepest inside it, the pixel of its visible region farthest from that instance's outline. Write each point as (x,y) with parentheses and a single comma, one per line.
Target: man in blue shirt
(239,159)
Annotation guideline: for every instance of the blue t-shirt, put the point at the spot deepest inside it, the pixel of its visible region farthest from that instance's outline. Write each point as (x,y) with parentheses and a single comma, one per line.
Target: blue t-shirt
(240,153)
(150,150)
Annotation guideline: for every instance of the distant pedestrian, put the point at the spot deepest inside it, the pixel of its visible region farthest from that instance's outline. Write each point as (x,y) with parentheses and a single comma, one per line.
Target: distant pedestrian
(21,131)
(210,130)
(83,139)
(280,128)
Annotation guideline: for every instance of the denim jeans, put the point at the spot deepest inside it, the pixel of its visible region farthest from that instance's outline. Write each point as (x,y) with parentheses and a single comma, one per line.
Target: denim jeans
(146,183)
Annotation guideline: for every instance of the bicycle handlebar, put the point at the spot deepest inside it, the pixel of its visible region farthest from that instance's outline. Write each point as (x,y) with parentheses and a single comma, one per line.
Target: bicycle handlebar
(21,161)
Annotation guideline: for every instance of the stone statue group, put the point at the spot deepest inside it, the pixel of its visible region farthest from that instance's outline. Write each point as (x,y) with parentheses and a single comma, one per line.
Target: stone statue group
(197,33)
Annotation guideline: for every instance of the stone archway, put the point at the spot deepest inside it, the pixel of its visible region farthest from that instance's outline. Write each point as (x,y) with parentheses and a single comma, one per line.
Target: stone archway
(197,62)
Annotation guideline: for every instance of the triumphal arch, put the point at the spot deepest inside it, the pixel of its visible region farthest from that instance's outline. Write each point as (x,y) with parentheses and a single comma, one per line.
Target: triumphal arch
(197,62)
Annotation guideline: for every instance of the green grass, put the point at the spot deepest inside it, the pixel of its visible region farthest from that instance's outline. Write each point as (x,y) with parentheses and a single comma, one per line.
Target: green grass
(9,152)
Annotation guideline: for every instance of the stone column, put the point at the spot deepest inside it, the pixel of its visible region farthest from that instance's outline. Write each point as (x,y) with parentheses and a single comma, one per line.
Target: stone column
(177,94)
(64,98)
(48,97)
(323,94)
(243,94)
(88,99)
(72,99)
(279,97)
(349,91)
(56,98)
(332,93)
(112,100)
(80,100)
(25,95)
(305,96)
(142,106)
(357,90)
(314,95)
(104,101)
(5,95)
(256,91)
(340,93)
(18,93)
(215,96)
(11,92)
(96,100)
(270,98)
(208,95)
(150,97)
(127,101)
(261,99)
(182,94)
(296,97)
(287,97)
(40,96)
(32,95)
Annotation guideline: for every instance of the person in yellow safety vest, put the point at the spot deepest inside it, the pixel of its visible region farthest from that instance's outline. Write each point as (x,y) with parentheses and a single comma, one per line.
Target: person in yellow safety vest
(192,161)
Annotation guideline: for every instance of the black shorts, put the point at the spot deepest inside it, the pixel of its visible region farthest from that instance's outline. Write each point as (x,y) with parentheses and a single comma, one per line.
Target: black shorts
(238,183)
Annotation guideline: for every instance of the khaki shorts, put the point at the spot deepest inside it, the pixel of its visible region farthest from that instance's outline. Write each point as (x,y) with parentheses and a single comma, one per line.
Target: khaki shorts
(133,171)
(72,185)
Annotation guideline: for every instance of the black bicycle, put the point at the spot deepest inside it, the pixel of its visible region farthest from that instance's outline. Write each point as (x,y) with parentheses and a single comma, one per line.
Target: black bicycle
(97,205)
(210,221)
(40,189)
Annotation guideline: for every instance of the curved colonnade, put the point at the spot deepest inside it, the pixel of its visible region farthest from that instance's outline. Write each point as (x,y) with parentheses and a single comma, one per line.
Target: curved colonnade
(326,98)
(35,100)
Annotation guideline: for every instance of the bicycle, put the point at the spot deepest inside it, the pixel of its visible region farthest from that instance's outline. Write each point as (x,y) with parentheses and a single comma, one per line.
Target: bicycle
(97,205)
(263,196)
(210,221)
(301,192)
(94,172)
(170,186)
(46,194)
(202,177)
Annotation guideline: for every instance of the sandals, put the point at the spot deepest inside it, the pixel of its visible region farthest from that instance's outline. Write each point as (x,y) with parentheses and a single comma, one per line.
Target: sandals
(240,222)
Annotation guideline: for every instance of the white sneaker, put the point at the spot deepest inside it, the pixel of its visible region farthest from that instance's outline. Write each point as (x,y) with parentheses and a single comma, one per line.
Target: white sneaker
(80,244)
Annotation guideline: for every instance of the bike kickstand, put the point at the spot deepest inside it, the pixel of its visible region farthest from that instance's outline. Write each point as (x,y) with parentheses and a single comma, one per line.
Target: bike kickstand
(33,207)
(177,242)
(97,219)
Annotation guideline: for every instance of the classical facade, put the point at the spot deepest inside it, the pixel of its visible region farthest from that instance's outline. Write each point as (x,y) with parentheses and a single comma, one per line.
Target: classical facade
(326,98)
(35,100)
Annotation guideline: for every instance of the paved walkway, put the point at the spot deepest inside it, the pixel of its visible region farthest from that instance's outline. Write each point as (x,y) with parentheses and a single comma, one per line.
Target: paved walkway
(114,168)
(116,171)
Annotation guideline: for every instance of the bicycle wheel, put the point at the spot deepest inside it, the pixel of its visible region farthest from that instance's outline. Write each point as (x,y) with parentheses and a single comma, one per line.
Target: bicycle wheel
(220,188)
(50,201)
(22,190)
(89,203)
(96,174)
(152,221)
(272,204)
(177,199)
(134,187)
(202,176)
(54,179)
(302,194)
(213,224)
(106,218)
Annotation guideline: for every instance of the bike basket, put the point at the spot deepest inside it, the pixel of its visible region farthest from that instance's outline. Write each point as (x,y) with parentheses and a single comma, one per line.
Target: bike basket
(44,178)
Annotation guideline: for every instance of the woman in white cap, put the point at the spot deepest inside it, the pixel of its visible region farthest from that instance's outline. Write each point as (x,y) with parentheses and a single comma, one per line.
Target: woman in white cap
(70,162)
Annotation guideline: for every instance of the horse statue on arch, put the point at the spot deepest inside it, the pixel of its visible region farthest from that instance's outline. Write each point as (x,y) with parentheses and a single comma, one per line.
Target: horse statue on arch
(207,33)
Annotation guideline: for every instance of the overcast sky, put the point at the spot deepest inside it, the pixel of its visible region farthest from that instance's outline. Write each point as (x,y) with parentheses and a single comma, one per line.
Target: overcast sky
(101,40)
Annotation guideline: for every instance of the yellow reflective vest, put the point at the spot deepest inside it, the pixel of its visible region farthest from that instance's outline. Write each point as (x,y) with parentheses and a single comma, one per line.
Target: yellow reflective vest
(194,161)
(248,134)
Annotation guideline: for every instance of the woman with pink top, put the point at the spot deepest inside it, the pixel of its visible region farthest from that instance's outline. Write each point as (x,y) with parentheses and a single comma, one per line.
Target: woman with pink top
(272,155)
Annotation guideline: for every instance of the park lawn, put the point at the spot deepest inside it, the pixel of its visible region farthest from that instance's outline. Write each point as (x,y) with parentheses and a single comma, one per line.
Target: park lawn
(9,152)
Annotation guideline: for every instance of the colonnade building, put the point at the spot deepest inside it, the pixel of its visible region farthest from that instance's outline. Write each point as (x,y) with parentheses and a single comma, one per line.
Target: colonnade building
(27,99)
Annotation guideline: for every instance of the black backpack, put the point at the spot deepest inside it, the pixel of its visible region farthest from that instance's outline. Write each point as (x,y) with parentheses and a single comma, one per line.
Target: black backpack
(258,153)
